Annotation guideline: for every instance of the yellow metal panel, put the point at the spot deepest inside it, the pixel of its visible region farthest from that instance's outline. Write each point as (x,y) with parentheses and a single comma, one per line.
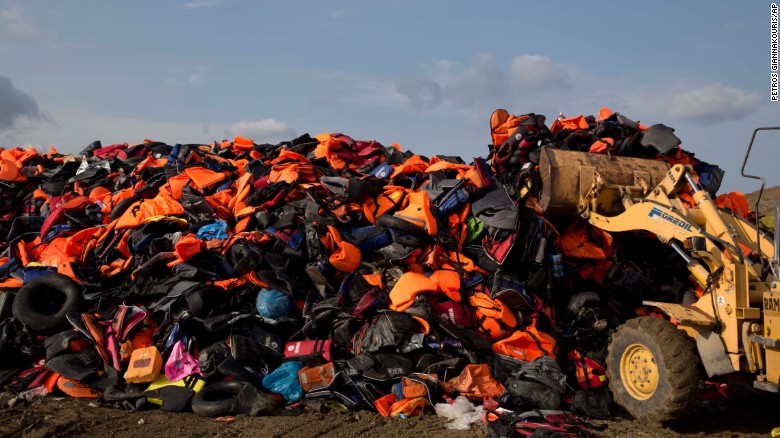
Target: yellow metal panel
(684,314)
(771,306)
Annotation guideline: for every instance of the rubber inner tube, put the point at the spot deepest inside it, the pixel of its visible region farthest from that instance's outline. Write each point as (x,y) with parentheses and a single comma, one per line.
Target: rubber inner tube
(217,399)
(43,303)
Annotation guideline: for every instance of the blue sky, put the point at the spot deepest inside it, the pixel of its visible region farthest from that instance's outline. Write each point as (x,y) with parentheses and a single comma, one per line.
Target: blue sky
(426,74)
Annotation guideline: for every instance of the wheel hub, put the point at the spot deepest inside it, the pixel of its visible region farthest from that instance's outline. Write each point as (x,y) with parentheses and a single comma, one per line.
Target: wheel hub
(639,371)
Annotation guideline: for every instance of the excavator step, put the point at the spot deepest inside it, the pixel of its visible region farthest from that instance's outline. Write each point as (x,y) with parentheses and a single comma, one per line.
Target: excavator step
(763,340)
(766,386)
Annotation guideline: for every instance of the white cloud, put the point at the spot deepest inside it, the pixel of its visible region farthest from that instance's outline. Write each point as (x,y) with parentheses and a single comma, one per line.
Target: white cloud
(13,23)
(481,83)
(538,72)
(200,4)
(421,92)
(443,64)
(261,130)
(336,13)
(180,77)
(535,83)
(713,104)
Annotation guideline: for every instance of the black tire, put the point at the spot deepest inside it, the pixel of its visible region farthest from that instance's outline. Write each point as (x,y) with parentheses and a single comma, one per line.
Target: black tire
(217,399)
(674,360)
(43,303)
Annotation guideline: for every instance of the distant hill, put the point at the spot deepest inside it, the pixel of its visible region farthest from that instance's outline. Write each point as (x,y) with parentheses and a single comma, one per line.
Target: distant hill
(768,199)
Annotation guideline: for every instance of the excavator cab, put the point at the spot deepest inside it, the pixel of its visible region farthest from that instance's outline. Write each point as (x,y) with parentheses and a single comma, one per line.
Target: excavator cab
(775,261)
(768,371)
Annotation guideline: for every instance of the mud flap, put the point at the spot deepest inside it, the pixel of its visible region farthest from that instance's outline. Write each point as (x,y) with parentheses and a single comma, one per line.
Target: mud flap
(712,353)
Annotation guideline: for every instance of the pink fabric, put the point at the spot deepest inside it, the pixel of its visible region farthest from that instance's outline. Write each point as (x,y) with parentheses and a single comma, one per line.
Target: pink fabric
(180,364)
(112,346)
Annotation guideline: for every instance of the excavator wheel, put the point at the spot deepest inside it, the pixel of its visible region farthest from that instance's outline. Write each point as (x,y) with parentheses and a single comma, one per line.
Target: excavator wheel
(653,370)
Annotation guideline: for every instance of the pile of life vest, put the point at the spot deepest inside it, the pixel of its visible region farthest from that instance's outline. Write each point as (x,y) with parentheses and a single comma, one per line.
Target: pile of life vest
(324,271)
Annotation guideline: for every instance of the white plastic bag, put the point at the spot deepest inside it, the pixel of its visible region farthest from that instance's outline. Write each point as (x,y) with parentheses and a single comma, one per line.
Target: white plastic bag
(461,413)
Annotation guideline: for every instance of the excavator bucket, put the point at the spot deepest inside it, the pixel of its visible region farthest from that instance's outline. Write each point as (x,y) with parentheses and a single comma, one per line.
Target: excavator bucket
(570,179)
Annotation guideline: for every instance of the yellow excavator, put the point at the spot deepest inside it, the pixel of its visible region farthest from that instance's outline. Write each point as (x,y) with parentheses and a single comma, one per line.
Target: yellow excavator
(654,365)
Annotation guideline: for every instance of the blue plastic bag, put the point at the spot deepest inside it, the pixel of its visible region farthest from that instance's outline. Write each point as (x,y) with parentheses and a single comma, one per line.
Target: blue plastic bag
(284,381)
(272,304)
(216,230)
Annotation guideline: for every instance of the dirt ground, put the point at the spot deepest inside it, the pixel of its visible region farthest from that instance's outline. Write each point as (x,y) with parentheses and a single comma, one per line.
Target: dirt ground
(61,417)
(729,421)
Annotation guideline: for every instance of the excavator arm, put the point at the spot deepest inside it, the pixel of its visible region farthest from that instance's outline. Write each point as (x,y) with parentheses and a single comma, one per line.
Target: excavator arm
(619,194)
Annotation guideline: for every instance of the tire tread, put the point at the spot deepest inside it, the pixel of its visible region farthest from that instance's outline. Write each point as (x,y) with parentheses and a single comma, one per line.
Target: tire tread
(678,358)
